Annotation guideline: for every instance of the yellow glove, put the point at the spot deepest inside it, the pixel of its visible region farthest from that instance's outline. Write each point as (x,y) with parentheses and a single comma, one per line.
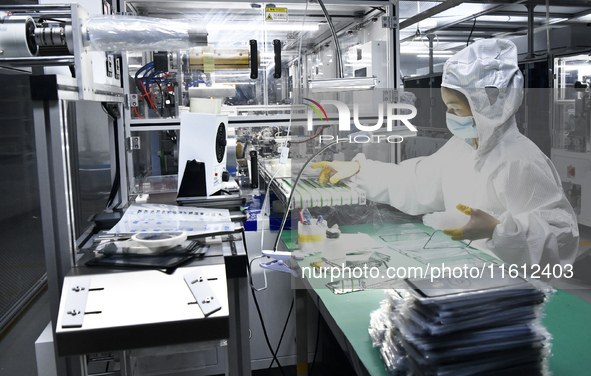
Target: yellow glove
(480,226)
(334,171)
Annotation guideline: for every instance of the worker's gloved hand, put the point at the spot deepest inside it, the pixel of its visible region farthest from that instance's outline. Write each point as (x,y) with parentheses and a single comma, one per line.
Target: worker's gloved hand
(334,171)
(480,226)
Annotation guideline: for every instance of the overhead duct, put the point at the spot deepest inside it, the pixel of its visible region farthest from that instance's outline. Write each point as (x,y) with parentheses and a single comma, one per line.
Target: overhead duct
(562,39)
(448,5)
(431,12)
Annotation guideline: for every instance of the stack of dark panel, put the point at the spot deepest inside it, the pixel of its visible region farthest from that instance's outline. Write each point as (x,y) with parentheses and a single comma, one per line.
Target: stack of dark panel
(464,327)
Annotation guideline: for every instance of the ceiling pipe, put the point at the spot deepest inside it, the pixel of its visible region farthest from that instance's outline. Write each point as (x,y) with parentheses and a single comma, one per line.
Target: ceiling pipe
(430,12)
(530,31)
(442,27)
(431,37)
(545,27)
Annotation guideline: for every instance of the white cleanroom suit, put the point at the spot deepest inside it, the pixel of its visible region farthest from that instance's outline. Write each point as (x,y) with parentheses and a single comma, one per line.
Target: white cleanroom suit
(502,172)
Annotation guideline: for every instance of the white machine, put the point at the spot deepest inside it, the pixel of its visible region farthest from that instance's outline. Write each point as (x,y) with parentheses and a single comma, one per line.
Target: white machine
(203,140)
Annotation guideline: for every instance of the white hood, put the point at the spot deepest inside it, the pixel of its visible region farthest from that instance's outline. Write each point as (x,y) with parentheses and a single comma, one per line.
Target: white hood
(486,72)
(507,176)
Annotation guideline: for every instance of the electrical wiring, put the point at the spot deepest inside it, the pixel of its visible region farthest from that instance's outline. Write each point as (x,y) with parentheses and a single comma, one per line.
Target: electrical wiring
(166,74)
(317,337)
(137,113)
(142,71)
(162,100)
(154,75)
(256,303)
(253,289)
(146,76)
(282,333)
(287,138)
(471,31)
(159,78)
(135,108)
(412,40)
(114,114)
(418,32)
(381,10)
(144,95)
(149,100)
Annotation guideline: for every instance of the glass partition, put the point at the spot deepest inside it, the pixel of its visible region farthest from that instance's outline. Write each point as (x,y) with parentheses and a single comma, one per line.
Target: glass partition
(258,57)
(571,108)
(22,260)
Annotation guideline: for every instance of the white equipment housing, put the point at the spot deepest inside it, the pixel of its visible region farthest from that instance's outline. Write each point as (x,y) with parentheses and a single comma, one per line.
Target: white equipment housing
(203,138)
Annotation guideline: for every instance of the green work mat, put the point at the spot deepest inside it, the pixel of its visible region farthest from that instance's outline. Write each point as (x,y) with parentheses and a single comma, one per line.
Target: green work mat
(567,317)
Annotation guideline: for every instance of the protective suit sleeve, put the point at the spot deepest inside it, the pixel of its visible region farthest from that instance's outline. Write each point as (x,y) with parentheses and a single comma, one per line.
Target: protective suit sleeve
(413,186)
(539,226)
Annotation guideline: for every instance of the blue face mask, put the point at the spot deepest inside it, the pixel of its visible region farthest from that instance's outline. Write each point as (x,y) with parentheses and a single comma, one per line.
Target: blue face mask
(461,126)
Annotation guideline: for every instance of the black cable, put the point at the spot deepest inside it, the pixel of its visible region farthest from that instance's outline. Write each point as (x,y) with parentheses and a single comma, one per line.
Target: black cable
(470,36)
(114,187)
(161,98)
(256,303)
(381,10)
(161,95)
(282,333)
(317,338)
(114,114)
(117,178)
(285,215)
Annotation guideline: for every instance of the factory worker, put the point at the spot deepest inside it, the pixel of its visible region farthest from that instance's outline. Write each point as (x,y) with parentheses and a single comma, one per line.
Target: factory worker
(487,170)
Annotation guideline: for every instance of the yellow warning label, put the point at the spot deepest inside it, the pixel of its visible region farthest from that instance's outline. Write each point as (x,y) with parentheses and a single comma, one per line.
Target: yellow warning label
(276,14)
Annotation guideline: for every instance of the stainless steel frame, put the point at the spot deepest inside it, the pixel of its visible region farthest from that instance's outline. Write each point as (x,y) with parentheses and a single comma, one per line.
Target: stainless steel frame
(50,95)
(57,206)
